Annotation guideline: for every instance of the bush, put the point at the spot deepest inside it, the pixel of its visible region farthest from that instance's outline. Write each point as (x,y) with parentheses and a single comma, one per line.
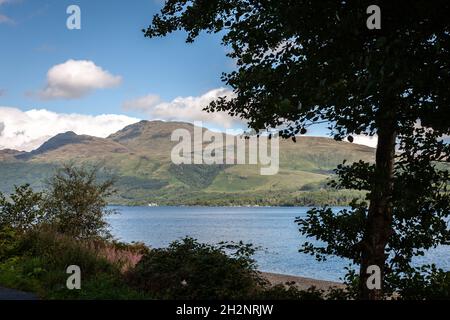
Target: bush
(76,202)
(22,211)
(423,283)
(60,251)
(37,262)
(191,270)
(9,242)
(289,291)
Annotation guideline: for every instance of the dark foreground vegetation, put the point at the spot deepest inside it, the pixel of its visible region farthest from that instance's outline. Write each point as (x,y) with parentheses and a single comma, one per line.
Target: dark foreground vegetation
(41,234)
(302,63)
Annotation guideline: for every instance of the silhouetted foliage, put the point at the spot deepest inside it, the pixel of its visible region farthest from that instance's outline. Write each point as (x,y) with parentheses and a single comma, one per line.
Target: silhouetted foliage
(188,269)
(305,62)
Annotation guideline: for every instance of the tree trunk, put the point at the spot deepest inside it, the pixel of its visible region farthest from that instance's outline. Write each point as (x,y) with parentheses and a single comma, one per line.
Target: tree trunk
(379,220)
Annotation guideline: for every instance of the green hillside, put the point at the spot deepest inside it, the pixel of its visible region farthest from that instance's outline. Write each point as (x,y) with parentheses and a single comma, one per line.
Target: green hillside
(139,157)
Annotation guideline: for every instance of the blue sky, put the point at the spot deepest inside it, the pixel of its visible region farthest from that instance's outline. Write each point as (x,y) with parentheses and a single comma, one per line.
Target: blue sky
(107,75)
(111,37)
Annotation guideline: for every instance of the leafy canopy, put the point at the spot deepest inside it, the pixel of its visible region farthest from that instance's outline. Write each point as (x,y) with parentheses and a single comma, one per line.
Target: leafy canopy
(300,61)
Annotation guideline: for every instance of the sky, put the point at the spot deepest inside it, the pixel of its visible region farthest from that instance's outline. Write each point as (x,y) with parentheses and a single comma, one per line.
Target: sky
(106,75)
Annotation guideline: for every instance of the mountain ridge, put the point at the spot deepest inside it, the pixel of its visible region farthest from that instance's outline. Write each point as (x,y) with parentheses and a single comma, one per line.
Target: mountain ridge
(139,155)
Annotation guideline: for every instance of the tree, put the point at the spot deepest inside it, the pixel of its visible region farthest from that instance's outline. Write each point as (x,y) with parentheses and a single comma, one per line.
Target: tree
(23,210)
(302,62)
(76,201)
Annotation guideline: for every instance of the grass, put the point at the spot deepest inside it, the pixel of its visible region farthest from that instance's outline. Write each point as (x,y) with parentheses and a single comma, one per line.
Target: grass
(38,262)
(245,179)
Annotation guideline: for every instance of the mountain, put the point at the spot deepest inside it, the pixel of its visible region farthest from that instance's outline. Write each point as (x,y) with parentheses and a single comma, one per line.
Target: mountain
(9,154)
(139,155)
(69,145)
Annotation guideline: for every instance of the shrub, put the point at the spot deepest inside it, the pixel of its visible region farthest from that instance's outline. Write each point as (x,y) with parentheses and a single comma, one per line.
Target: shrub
(289,291)
(191,270)
(22,211)
(9,242)
(76,202)
(125,256)
(39,259)
(59,251)
(423,283)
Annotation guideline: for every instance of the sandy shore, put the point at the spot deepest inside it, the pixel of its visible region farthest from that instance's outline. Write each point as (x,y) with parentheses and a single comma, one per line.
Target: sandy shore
(301,282)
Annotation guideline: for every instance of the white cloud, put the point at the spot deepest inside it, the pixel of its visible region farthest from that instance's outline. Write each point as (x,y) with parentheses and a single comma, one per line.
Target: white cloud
(186,109)
(143,103)
(190,109)
(27,130)
(76,78)
(366,140)
(5,19)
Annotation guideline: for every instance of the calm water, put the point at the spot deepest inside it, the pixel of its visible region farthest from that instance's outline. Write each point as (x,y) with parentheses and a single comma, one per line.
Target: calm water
(273,229)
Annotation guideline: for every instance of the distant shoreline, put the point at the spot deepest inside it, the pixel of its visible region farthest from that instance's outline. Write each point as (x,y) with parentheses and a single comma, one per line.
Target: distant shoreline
(223,206)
